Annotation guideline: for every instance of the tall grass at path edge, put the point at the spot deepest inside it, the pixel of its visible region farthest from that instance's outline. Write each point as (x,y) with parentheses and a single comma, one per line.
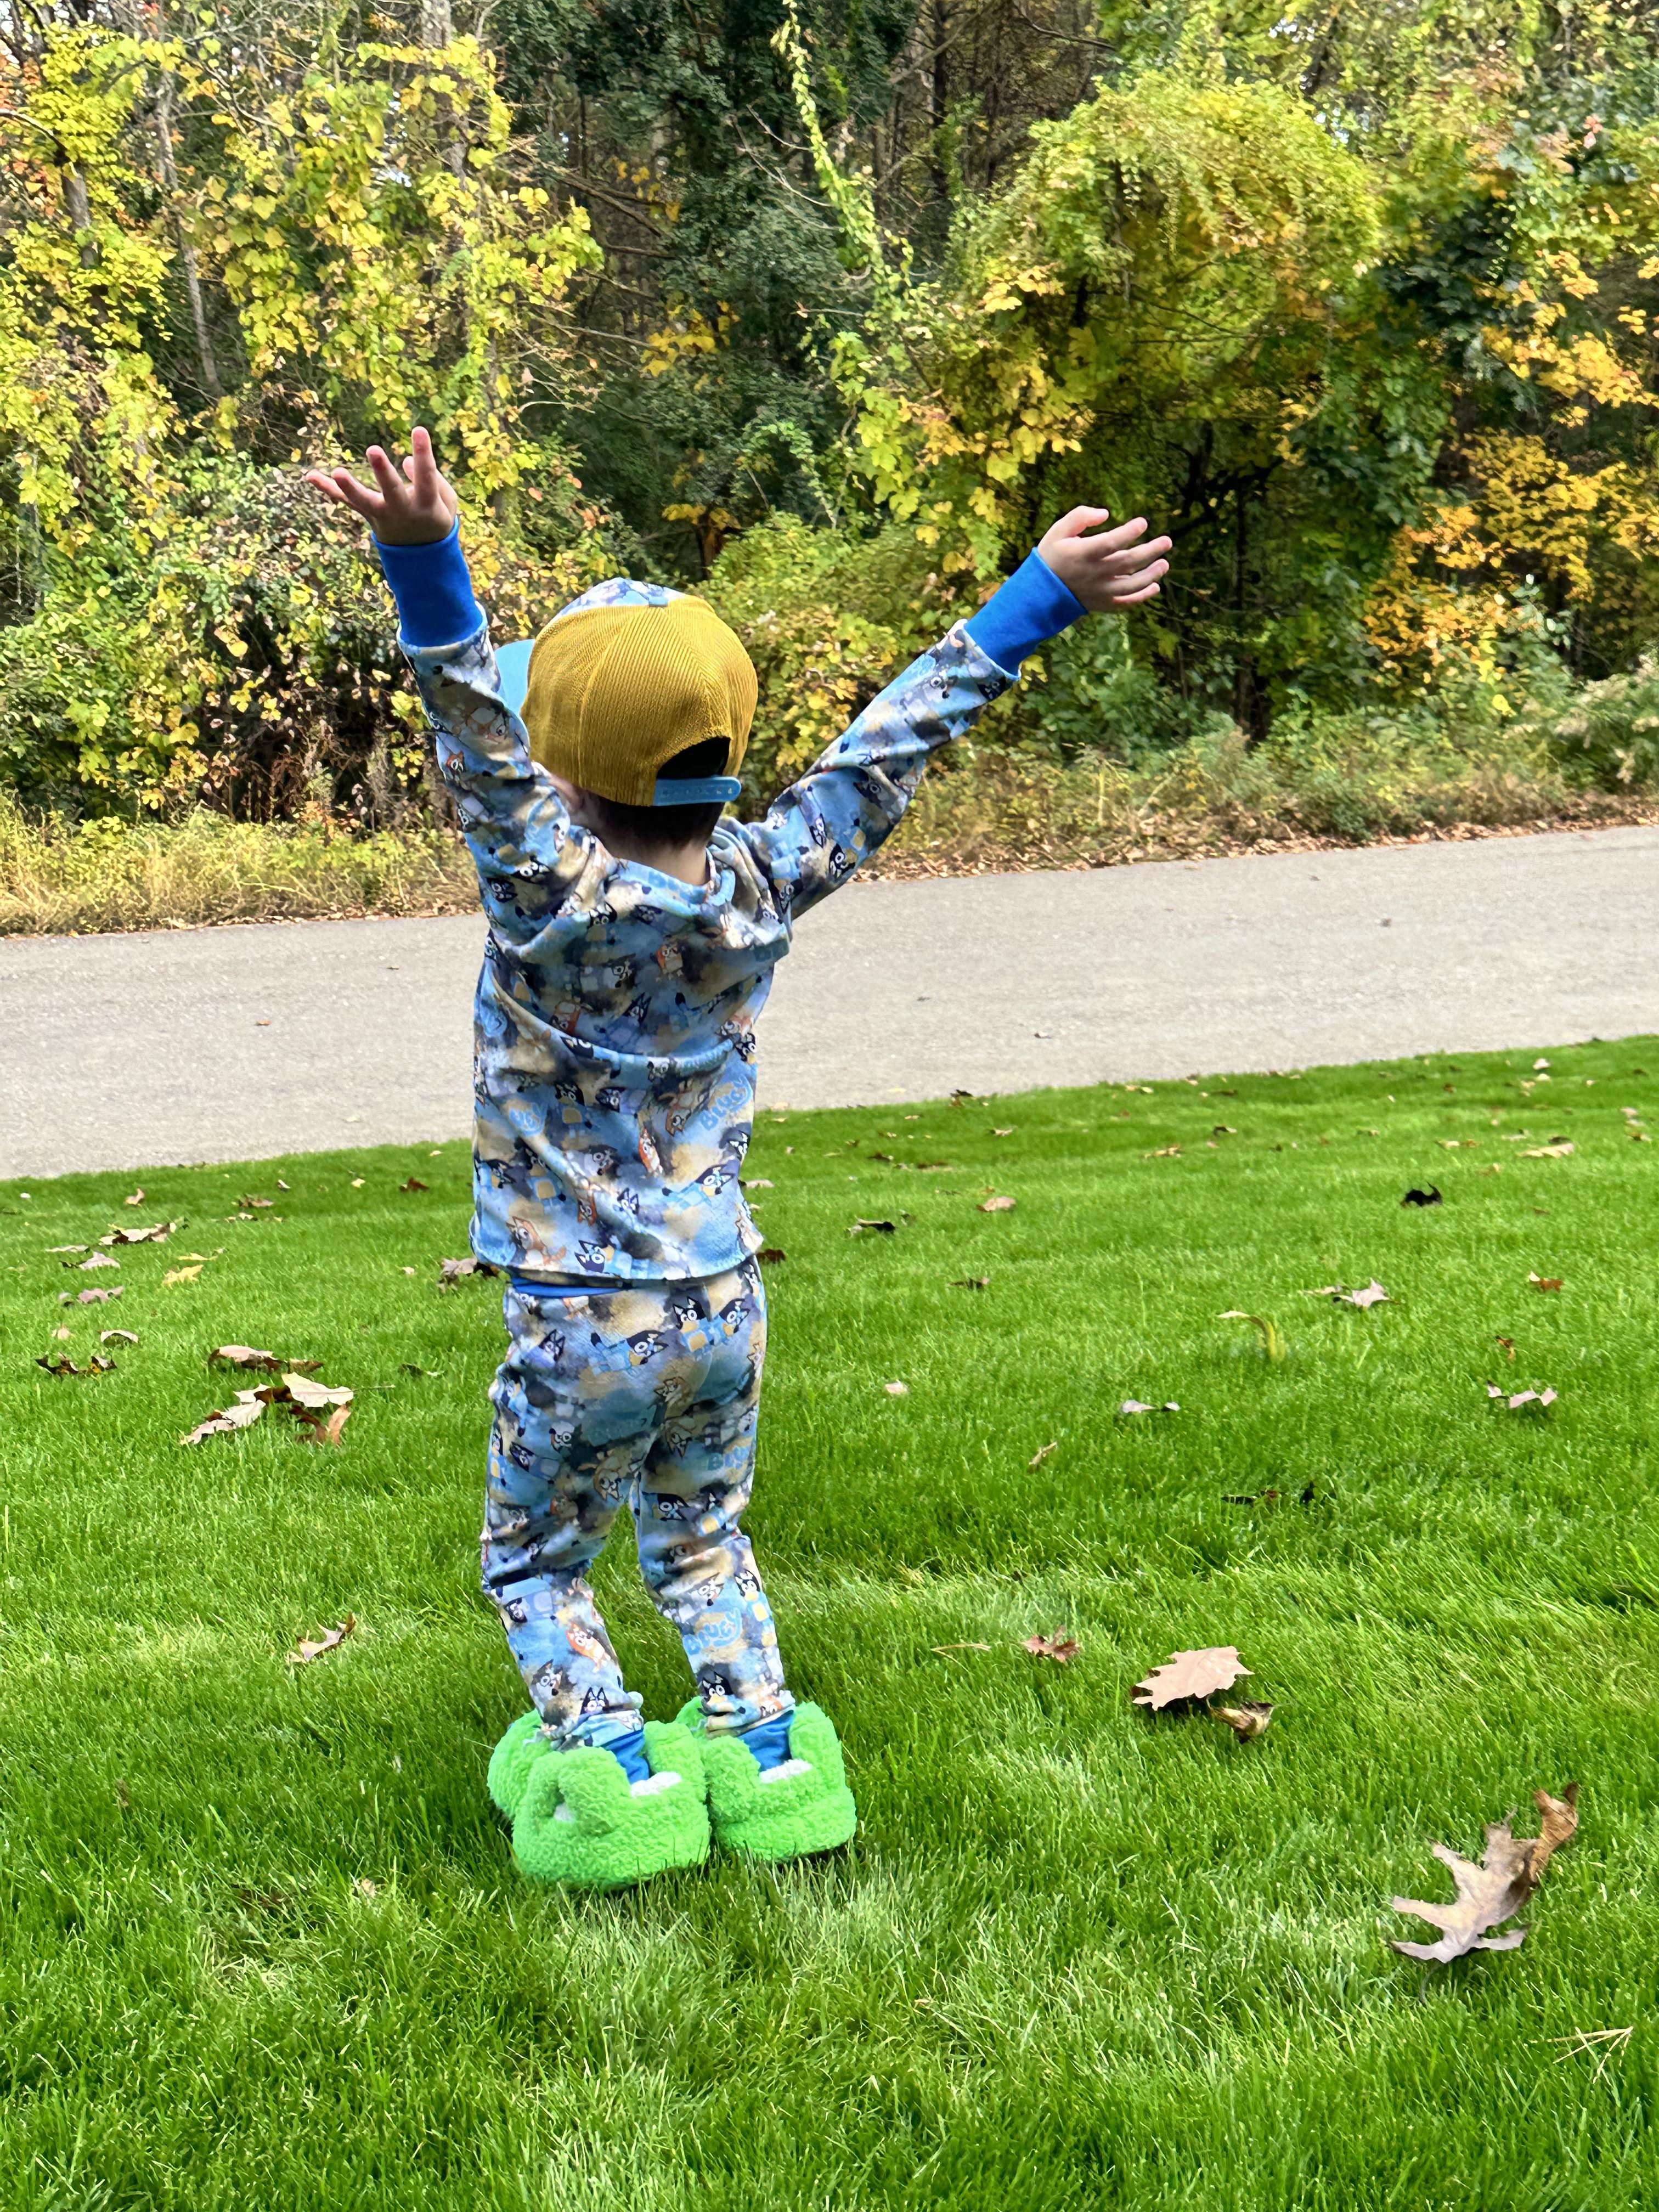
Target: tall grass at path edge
(265,1943)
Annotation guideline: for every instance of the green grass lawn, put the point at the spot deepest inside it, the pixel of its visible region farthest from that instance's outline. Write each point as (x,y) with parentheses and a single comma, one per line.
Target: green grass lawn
(263,1941)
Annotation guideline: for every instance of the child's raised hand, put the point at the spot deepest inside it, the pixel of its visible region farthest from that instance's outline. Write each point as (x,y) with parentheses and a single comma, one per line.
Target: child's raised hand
(1109,570)
(416,509)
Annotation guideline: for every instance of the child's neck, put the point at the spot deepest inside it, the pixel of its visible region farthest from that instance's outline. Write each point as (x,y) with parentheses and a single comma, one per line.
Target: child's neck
(688,862)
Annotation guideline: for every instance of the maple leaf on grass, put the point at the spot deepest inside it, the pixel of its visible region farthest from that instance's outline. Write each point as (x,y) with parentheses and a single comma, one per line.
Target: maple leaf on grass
(998,1202)
(1133,1406)
(880,1228)
(1510,1870)
(1056,1645)
(1188,1677)
(1372,1295)
(330,1640)
(1515,1401)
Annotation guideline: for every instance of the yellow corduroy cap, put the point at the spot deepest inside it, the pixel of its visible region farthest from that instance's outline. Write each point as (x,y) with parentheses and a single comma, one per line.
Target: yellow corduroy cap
(616,691)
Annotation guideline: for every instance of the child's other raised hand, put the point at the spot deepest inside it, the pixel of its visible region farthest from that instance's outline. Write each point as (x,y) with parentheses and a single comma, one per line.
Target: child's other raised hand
(1109,568)
(416,509)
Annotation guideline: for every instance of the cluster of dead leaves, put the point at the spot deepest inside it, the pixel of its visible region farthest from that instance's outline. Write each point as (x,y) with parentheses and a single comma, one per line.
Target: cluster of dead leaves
(321,1413)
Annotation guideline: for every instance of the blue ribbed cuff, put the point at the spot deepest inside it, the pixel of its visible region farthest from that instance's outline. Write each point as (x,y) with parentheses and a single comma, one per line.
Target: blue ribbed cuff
(434,592)
(1030,608)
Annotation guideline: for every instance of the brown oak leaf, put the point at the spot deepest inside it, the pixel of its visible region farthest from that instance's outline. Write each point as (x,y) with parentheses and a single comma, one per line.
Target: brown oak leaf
(1544,1282)
(413,1184)
(1056,1645)
(1189,1675)
(770,1256)
(330,1640)
(1493,1892)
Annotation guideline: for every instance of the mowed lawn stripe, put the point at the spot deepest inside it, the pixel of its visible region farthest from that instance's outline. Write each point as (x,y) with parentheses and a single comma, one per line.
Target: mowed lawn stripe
(264,1934)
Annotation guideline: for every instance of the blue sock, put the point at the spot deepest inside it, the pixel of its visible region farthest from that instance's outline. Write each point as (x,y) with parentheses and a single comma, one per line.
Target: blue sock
(769,1741)
(629,1751)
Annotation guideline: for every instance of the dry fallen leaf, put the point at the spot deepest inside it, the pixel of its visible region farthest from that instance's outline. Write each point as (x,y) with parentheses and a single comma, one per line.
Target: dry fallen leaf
(998,1202)
(248,1408)
(1508,1343)
(1139,1405)
(1510,1869)
(943,1648)
(1163,1153)
(1189,1675)
(769,1255)
(1557,1149)
(116,1336)
(883,1228)
(1042,1453)
(1272,1343)
(61,1363)
(181,1275)
(1544,1282)
(897,1390)
(1429,1197)
(330,1640)
(1540,1398)
(66,1247)
(356,1182)
(970,1283)
(315,1431)
(1372,1295)
(93,1296)
(63,1335)
(157,1233)
(137,1199)
(313,1396)
(1002,1133)
(414,1183)
(1245,1721)
(1056,1645)
(451,1271)
(245,1355)
(757,1183)
(97,1260)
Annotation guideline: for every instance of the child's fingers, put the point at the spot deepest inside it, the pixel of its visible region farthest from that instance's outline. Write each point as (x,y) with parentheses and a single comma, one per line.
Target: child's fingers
(1136,579)
(1134,598)
(339,484)
(1135,556)
(1080,518)
(391,483)
(420,468)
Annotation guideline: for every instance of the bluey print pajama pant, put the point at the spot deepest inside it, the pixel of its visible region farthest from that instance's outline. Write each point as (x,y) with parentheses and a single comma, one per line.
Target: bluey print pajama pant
(648,1396)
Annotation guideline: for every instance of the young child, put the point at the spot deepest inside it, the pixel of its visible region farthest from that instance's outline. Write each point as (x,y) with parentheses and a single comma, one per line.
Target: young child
(633,933)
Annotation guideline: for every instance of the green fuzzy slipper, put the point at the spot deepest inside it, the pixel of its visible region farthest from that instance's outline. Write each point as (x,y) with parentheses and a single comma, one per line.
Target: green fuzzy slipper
(785,1812)
(581,1822)
(512,1759)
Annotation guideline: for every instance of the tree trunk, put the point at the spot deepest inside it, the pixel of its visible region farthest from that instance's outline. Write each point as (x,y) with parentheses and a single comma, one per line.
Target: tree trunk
(169,177)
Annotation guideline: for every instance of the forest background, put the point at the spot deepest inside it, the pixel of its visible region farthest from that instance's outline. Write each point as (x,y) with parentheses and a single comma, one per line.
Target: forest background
(821,308)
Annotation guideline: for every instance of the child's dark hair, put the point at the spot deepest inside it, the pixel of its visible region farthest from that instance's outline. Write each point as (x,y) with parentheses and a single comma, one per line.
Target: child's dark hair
(663,829)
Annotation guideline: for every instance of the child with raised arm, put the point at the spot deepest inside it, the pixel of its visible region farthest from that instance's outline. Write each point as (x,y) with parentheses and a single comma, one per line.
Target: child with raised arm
(633,933)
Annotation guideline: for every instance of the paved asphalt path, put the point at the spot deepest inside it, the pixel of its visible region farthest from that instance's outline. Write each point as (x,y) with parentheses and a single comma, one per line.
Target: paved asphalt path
(235,1043)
